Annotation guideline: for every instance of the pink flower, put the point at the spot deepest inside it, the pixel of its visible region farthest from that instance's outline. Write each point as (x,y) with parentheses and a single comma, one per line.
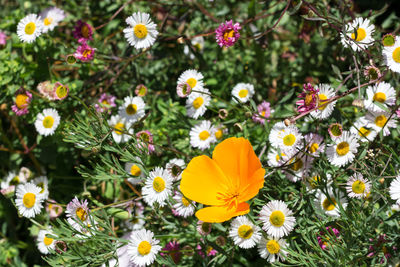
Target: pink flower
(53,209)
(398,113)
(324,238)
(264,111)
(172,248)
(335,130)
(60,91)
(145,141)
(83,32)
(46,89)
(3,38)
(22,100)
(227,33)
(203,228)
(183,89)
(310,98)
(106,102)
(141,90)
(210,251)
(84,52)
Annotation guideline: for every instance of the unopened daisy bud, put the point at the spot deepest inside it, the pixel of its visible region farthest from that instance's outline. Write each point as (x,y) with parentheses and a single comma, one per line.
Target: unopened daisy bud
(388,39)
(222,113)
(220,241)
(188,250)
(70,59)
(141,90)
(180,40)
(382,180)
(238,127)
(183,89)
(248,114)
(287,122)
(60,246)
(335,130)
(372,73)
(358,103)
(60,91)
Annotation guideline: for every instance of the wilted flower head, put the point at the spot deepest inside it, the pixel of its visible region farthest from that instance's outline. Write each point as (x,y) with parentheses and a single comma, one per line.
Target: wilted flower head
(388,39)
(335,130)
(204,228)
(309,98)
(264,111)
(223,113)
(372,73)
(106,102)
(83,32)
(46,89)
(183,89)
(85,52)
(3,38)
(323,238)
(141,90)
(22,100)
(227,33)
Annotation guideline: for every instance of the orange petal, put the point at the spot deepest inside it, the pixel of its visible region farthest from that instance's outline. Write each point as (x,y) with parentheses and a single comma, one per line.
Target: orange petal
(257,182)
(202,180)
(221,213)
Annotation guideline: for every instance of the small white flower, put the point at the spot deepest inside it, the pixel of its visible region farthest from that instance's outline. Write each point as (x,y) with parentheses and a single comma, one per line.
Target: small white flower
(197,44)
(382,93)
(271,249)
(135,169)
(276,158)
(29,28)
(51,17)
(42,182)
(328,204)
(392,55)
(28,200)
(288,139)
(78,212)
(357,186)
(201,135)
(363,131)
(394,189)
(158,186)
(196,103)
(344,149)
(12,179)
(183,206)
(47,122)
(379,121)
(120,126)
(243,92)
(142,32)
(277,219)
(44,242)
(359,34)
(175,167)
(314,144)
(325,93)
(143,247)
(132,109)
(193,78)
(244,233)
(298,167)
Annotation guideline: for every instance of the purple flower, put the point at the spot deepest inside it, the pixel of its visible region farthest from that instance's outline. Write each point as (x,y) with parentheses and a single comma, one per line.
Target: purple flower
(323,238)
(309,98)
(3,38)
(84,52)
(398,113)
(106,102)
(172,248)
(264,111)
(83,32)
(227,33)
(22,100)
(145,141)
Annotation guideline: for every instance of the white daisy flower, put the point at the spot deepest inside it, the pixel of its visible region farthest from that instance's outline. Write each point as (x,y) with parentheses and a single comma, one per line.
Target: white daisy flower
(196,103)
(197,43)
(379,121)
(325,93)
(382,93)
(392,55)
(135,170)
(288,139)
(271,249)
(183,206)
(393,209)
(120,126)
(193,78)
(12,179)
(314,144)
(136,222)
(329,204)
(42,182)
(201,135)
(132,109)
(276,130)
(143,247)
(357,186)
(277,219)
(362,130)
(344,149)
(51,17)
(44,242)
(47,122)
(275,158)
(244,233)
(315,180)
(394,189)
(175,167)
(78,212)
(298,167)
(157,187)
(28,200)
(29,28)
(142,32)
(358,34)
(243,92)
(220,131)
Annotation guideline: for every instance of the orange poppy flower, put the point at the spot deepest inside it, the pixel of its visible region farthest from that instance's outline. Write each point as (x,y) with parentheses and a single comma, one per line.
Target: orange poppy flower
(233,175)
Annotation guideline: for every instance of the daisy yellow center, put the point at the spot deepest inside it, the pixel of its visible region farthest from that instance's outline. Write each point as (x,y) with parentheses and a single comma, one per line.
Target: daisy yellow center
(380,97)
(209,249)
(85,31)
(297,165)
(48,122)
(14,180)
(142,91)
(363,132)
(105,102)
(159,184)
(118,128)
(243,93)
(273,247)
(204,135)
(218,134)
(277,218)
(145,137)
(278,157)
(41,185)
(47,240)
(228,34)
(314,147)
(144,248)
(47,21)
(21,101)
(140,31)
(380,121)
(361,34)
(29,200)
(342,148)
(329,205)
(81,213)
(358,187)
(245,231)
(314,181)
(322,99)
(198,102)
(87,53)
(263,113)
(185,202)
(30,28)
(396,55)
(135,170)
(308,99)
(192,82)
(61,91)
(289,140)
(131,109)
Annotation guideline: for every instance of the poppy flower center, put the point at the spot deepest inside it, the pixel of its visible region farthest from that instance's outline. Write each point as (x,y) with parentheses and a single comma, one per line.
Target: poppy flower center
(21,101)
(204,135)
(140,31)
(81,213)
(30,28)
(48,122)
(218,134)
(192,82)
(245,231)
(361,34)
(135,170)
(396,55)
(47,21)
(198,102)
(243,93)
(144,248)
(29,200)
(342,148)
(329,204)
(61,91)
(363,132)
(358,187)
(131,109)
(381,120)
(277,218)
(47,240)
(119,127)
(185,202)
(289,140)
(228,34)
(158,184)
(380,97)
(273,247)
